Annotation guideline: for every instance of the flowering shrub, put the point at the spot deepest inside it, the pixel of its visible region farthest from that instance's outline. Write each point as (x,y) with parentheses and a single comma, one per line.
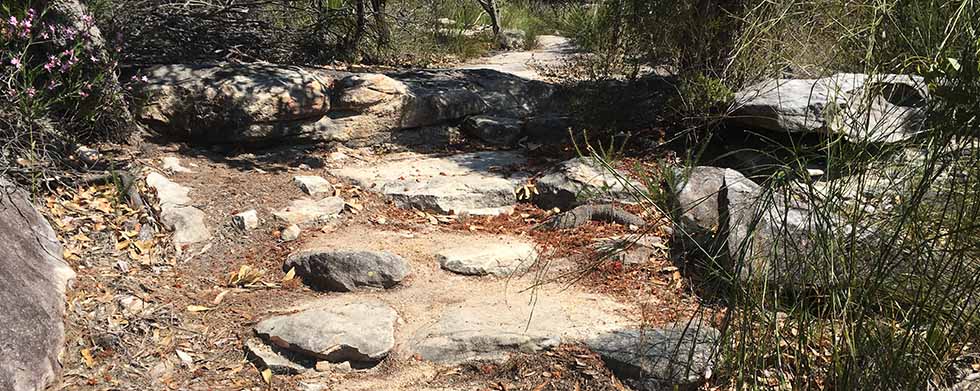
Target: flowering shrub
(57,85)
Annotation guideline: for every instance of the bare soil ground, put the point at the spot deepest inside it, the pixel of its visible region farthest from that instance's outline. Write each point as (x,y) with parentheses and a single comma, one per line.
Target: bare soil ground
(189,332)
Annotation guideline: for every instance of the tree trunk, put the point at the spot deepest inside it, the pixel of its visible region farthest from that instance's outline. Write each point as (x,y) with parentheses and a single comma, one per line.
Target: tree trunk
(490,6)
(354,41)
(381,24)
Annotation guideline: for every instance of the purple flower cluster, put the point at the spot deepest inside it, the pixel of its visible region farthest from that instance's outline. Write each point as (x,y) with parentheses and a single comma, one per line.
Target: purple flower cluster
(20,28)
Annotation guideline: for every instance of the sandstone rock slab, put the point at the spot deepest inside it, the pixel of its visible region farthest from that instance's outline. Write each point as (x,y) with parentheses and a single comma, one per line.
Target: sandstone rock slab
(216,102)
(278,361)
(32,294)
(863,108)
(346,271)
(313,185)
(499,131)
(305,211)
(498,258)
(360,332)
(678,354)
(479,183)
(491,327)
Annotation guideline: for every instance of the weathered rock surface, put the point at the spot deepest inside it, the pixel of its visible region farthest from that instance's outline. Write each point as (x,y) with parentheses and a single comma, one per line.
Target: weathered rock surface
(304,211)
(361,332)
(33,279)
(499,131)
(209,103)
(491,327)
(346,271)
(228,103)
(880,108)
(313,185)
(577,180)
(280,362)
(177,211)
(500,258)
(476,183)
(678,354)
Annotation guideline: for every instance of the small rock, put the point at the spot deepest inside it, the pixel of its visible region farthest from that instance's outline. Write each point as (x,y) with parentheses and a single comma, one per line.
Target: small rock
(130,305)
(678,354)
(187,222)
(313,185)
(246,220)
(172,164)
(305,210)
(345,271)
(632,249)
(88,155)
(278,361)
(499,259)
(359,332)
(290,233)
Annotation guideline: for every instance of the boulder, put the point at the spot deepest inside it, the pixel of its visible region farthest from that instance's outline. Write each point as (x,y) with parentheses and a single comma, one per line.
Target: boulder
(498,258)
(32,294)
(214,102)
(345,271)
(305,210)
(678,354)
(862,108)
(498,131)
(359,332)
(583,179)
(477,183)
(177,212)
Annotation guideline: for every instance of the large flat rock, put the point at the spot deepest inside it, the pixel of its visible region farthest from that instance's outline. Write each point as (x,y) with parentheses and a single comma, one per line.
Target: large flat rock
(356,331)
(479,183)
(491,327)
(33,277)
(493,257)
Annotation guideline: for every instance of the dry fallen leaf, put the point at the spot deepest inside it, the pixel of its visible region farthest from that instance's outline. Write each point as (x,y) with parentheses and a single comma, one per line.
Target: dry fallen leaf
(289,275)
(87,356)
(221,296)
(197,308)
(267,375)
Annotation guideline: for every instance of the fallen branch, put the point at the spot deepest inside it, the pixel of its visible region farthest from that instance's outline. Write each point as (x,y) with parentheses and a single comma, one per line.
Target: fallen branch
(585,213)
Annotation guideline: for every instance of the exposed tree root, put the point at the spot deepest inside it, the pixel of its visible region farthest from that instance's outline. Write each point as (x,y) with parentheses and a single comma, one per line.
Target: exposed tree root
(585,213)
